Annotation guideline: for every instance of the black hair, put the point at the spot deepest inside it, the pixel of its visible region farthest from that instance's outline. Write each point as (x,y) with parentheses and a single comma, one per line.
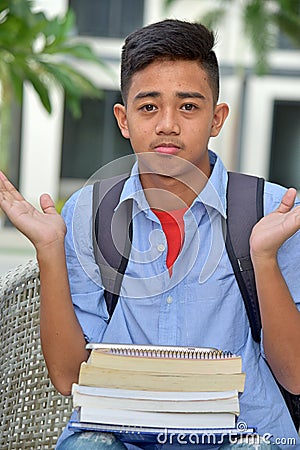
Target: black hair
(169,39)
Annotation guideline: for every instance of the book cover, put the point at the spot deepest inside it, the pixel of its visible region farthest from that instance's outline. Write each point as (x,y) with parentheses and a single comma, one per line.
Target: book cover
(91,375)
(131,434)
(155,401)
(157,419)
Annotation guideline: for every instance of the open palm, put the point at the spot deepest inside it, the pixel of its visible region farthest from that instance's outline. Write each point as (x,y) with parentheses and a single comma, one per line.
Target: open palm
(42,228)
(275,228)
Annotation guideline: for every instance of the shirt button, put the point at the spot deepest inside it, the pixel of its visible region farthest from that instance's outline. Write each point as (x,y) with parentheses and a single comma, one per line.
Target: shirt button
(169,300)
(161,247)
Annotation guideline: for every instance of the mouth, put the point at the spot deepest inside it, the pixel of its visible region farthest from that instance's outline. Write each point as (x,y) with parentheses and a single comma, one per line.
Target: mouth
(167,149)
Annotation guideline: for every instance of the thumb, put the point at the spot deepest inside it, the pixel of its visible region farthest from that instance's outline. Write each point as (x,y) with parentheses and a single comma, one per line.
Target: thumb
(47,204)
(287,201)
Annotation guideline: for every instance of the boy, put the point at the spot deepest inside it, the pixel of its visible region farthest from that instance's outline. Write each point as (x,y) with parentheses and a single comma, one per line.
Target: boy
(170,87)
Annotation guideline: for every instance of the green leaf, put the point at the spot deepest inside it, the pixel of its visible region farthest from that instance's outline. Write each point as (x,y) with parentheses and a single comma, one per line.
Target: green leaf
(73,103)
(16,34)
(20,8)
(32,75)
(17,84)
(31,46)
(74,84)
(72,80)
(4,4)
(258,27)
(290,6)
(12,80)
(57,30)
(60,76)
(287,20)
(79,51)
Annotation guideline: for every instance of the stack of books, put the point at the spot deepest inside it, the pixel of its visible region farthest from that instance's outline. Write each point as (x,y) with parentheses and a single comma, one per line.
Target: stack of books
(158,388)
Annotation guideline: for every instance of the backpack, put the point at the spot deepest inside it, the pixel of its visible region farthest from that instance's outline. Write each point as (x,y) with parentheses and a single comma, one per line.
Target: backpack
(111,254)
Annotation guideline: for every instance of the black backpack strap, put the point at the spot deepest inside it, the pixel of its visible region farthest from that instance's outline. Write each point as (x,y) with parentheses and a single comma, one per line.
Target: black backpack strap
(293,404)
(244,209)
(112,235)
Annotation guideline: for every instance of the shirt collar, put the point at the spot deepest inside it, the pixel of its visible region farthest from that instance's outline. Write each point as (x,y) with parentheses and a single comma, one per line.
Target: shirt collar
(214,192)
(213,195)
(133,189)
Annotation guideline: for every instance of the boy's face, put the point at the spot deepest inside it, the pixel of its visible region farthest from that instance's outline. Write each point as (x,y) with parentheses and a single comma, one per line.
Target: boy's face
(170,111)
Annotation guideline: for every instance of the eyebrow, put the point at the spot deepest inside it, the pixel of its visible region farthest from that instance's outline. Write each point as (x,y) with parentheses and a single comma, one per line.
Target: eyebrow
(146,94)
(190,95)
(182,95)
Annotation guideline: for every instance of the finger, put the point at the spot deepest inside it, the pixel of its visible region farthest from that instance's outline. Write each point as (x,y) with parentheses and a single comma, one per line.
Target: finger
(287,201)
(7,189)
(47,204)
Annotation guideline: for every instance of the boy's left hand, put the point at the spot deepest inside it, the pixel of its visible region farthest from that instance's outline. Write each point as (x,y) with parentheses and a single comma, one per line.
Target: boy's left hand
(275,228)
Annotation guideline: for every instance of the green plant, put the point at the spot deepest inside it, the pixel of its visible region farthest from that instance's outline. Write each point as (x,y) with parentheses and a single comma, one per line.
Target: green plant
(39,50)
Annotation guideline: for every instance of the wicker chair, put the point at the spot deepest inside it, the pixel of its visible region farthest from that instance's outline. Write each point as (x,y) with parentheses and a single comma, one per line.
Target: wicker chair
(32,412)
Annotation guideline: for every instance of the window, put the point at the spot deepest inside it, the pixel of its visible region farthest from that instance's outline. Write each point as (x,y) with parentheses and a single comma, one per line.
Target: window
(93,140)
(108,18)
(285,147)
(284,42)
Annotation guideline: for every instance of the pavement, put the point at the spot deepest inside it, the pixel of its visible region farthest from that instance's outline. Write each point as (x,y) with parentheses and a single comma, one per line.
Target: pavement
(15,249)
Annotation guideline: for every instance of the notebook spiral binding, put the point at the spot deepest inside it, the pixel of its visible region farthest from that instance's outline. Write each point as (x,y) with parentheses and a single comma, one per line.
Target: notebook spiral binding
(178,354)
(156,351)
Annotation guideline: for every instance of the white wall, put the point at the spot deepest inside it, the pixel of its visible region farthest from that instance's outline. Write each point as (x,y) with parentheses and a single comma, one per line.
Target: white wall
(41,146)
(41,133)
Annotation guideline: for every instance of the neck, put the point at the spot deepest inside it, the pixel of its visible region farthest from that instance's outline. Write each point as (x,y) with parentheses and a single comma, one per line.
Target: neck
(169,193)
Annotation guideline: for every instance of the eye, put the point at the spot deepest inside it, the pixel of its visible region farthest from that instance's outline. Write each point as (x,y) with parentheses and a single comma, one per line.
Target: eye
(188,107)
(148,108)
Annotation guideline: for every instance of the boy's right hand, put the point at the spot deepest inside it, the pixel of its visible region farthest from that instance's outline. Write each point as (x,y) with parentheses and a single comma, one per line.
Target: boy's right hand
(41,228)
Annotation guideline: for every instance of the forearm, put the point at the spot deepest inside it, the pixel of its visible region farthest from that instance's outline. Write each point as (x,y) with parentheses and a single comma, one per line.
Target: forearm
(280,323)
(62,338)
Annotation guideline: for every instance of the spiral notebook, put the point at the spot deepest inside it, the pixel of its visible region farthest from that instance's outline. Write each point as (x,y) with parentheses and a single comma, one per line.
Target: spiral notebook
(161,351)
(162,368)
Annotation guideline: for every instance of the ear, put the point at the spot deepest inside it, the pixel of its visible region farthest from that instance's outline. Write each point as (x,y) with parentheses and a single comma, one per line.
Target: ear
(220,114)
(121,116)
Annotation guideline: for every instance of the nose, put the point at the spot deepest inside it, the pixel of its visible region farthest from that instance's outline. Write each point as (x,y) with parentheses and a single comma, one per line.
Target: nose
(167,123)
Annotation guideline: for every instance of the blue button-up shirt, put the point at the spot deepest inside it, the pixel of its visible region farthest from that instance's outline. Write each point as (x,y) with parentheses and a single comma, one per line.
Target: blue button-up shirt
(199,305)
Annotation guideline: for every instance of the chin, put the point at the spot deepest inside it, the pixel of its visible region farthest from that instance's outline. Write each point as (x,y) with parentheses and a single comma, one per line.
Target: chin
(164,165)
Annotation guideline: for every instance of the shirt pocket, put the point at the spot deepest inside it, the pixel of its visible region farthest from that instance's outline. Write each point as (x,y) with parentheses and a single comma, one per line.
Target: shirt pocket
(215,316)
(202,292)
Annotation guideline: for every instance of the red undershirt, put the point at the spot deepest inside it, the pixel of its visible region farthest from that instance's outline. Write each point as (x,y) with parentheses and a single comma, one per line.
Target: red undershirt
(173,227)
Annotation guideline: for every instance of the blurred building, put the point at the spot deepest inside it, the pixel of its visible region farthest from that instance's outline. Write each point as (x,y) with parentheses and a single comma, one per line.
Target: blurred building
(57,153)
